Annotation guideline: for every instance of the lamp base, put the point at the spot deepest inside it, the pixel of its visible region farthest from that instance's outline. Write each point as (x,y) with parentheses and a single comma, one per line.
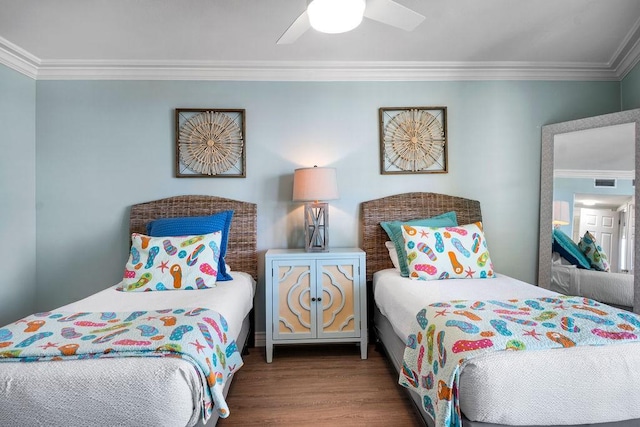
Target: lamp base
(316,227)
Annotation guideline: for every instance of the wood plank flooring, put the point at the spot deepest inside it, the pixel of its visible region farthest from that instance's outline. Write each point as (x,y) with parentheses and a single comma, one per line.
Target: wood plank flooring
(319,385)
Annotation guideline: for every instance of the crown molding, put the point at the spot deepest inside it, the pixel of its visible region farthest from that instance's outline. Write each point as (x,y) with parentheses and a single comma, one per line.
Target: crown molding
(18,59)
(22,61)
(319,71)
(628,53)
(599,174)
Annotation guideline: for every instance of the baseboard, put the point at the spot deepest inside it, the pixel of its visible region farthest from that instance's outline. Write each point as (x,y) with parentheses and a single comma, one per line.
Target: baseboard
(261,339)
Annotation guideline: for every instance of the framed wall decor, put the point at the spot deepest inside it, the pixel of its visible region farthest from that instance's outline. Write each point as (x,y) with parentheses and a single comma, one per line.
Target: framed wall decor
(210,143)
(413,140)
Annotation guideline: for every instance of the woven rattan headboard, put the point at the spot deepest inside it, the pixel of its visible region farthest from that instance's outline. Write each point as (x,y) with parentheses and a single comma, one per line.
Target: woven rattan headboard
(241,247)
(404,207)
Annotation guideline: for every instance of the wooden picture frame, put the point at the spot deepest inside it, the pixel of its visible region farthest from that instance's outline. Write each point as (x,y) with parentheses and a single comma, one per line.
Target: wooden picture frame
(210,143)
(413,140)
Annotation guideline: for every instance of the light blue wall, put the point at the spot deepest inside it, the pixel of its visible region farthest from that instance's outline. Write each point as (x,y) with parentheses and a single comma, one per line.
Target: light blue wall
(630,89)
(17,195)
(566,188)
(105,145)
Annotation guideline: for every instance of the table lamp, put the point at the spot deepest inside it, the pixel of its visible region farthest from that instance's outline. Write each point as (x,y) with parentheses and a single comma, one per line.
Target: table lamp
(560,213)
(314,186)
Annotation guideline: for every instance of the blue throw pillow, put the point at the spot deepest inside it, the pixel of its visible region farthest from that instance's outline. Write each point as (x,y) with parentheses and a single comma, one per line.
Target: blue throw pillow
(394,230)
(197,225)
(569,250)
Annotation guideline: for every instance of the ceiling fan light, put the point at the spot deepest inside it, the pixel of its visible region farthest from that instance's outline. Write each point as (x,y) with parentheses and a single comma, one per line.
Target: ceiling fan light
(335,16)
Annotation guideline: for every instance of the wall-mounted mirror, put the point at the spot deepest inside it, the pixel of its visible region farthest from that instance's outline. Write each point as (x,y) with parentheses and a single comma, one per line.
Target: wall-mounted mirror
(588,174)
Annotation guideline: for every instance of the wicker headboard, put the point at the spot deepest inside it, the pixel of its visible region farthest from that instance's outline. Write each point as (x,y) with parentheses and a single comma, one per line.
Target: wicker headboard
(241,247)
(404,207)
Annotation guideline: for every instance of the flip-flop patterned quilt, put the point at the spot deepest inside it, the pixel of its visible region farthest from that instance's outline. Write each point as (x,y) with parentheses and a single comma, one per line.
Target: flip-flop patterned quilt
(446,334)
(198,335)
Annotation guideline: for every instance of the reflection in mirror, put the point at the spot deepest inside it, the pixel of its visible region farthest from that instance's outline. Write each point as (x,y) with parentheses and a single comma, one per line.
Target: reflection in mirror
(587,185)
(596,185)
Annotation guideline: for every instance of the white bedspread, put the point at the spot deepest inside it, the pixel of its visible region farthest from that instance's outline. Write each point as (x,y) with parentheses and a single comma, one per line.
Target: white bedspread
(121,391)
(548,387)
(609,288)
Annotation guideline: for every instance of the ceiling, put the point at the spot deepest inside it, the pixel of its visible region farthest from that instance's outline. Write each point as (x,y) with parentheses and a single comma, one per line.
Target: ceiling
(599,201)
(223,39)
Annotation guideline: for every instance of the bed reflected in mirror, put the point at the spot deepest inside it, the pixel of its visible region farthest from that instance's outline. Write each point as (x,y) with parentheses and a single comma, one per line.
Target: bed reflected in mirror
(587,210)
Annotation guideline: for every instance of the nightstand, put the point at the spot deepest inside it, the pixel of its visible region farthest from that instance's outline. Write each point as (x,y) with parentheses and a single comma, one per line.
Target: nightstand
(315,297)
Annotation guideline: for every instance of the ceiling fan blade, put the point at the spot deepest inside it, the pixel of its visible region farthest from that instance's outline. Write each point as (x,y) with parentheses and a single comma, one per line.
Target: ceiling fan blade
(295,30)
(391,13)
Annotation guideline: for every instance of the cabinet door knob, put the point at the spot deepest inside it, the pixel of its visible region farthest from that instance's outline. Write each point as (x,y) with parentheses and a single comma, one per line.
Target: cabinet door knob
(319,299)
(313,299)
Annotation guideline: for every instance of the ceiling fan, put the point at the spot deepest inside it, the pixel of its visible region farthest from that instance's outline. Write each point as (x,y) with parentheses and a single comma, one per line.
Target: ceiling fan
(338,16)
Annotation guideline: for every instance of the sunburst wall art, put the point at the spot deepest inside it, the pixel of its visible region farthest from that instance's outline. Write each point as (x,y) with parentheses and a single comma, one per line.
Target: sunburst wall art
(210,143)
(413,140)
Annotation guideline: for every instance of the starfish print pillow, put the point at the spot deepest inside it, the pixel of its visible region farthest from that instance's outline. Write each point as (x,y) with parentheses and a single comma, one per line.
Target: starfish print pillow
(435,253)
(172,263)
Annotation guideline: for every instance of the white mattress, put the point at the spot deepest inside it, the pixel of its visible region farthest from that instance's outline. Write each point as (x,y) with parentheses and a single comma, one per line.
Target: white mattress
(578,385)
(123,391)
(609,288)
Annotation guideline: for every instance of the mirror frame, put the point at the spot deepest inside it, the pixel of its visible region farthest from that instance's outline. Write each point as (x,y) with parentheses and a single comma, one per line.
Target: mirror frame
(546,189)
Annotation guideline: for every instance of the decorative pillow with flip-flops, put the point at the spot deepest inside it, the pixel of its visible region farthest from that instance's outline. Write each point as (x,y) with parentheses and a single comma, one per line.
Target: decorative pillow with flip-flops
(197,225)
(594,252)
(172,263)
(459,252)
(394,230)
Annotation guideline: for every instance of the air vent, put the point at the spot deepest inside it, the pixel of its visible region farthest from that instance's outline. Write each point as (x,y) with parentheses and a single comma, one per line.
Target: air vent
(605,183)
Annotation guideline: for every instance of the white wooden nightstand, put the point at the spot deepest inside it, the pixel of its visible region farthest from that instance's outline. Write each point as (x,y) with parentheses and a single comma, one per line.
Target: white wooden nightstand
(315,297)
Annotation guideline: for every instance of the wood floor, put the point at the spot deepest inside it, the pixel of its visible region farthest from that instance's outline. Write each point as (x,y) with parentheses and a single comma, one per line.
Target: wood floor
(320,385)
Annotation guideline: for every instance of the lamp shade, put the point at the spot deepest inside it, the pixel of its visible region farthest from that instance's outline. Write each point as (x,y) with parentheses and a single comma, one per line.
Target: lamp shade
(313,184)
(335,16)
(560,212)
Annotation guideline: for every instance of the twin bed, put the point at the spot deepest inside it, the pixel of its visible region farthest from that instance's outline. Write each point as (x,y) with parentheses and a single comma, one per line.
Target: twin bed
(157,391)
(614,289)
(577,385)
